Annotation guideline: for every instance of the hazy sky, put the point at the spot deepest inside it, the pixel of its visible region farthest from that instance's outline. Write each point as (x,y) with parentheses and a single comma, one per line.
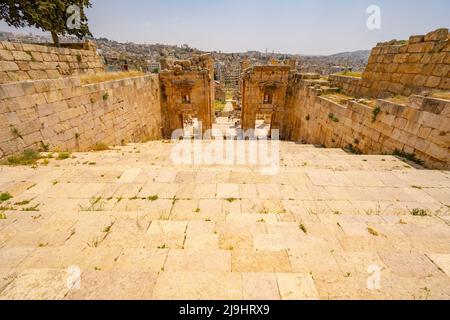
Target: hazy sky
(288,26)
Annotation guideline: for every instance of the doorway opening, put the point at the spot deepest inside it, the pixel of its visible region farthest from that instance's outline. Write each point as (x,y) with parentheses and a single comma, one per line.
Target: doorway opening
(263,125)
(190,125)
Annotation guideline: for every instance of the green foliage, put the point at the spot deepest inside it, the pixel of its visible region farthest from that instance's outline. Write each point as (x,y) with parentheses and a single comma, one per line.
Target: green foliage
(219,106)
(46,15)
(375,113)
(95,204)
(5,196)
(22,203)
(350,74)
(32,209)
(350,148)
(28,157)
(105,96)
(332,117)
(63,156)
(15,132)
(45,146)
(419,212)
(408,156)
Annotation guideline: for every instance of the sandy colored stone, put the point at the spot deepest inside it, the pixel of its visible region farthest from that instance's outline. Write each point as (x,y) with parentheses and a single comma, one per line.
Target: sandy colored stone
(297,287)
(225,191)
(198,260)
(442,261)
(202,241)
(97,285)
(260,261)
(141,260)
(260,286)
(198,286)
(167,227)
(37,284)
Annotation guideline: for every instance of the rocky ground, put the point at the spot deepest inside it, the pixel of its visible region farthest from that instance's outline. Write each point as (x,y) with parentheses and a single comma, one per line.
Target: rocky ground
(139,227)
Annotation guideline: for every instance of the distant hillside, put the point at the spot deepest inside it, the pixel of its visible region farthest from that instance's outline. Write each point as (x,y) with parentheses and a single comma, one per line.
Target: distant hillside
(360,54)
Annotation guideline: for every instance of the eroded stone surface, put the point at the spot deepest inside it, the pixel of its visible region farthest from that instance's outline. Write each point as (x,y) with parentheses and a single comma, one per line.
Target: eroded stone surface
(136,222)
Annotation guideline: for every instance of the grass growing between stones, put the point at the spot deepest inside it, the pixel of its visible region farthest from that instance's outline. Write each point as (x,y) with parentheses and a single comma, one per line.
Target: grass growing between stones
(63,156)
(375,112)
(28,157)
(109,76)
(333,118)
(95,204)
(373,232)
(303,228)
(419,212)
(408,156)
(353,74)
(99,147)
(22,203)
(32,209)
(5,196)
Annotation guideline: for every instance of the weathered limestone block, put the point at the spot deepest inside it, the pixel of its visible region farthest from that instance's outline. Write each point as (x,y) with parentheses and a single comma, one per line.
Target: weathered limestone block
(419,80)
(4,77)
(21,56)
(37,56)
(13,90)
(439,57)
(437,35)
(433,82)
(416,39)
(6,55)
(37,74)
(37,65)
(8,66)
(441,70)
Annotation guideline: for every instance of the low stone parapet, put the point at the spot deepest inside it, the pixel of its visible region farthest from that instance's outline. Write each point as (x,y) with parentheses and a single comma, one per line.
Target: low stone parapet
(64,115)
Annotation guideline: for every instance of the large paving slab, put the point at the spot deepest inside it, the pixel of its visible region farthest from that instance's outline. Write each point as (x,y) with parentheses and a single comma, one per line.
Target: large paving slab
(327,225)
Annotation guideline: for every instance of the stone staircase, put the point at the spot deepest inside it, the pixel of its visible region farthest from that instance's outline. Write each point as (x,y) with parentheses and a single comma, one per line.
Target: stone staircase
(139,227)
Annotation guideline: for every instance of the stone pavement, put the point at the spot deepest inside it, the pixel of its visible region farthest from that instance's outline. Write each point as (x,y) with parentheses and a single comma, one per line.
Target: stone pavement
(137,227)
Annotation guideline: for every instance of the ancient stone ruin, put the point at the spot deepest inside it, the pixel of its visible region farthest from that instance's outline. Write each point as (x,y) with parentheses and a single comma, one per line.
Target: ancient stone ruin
(340,112)
(187,92)
(92,205)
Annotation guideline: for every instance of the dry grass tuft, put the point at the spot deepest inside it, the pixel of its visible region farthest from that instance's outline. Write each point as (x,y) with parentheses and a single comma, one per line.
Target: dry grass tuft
(353,74)
(441,95)
(108,76)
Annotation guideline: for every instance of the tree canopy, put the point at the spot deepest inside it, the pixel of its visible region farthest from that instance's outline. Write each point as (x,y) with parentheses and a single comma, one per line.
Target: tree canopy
(48,15)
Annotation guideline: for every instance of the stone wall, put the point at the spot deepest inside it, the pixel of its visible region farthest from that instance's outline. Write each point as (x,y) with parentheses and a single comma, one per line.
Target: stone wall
(187,92)
(404,67)
(20,61)
(349,85)
(66,115)
(264,93)
(420,127)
